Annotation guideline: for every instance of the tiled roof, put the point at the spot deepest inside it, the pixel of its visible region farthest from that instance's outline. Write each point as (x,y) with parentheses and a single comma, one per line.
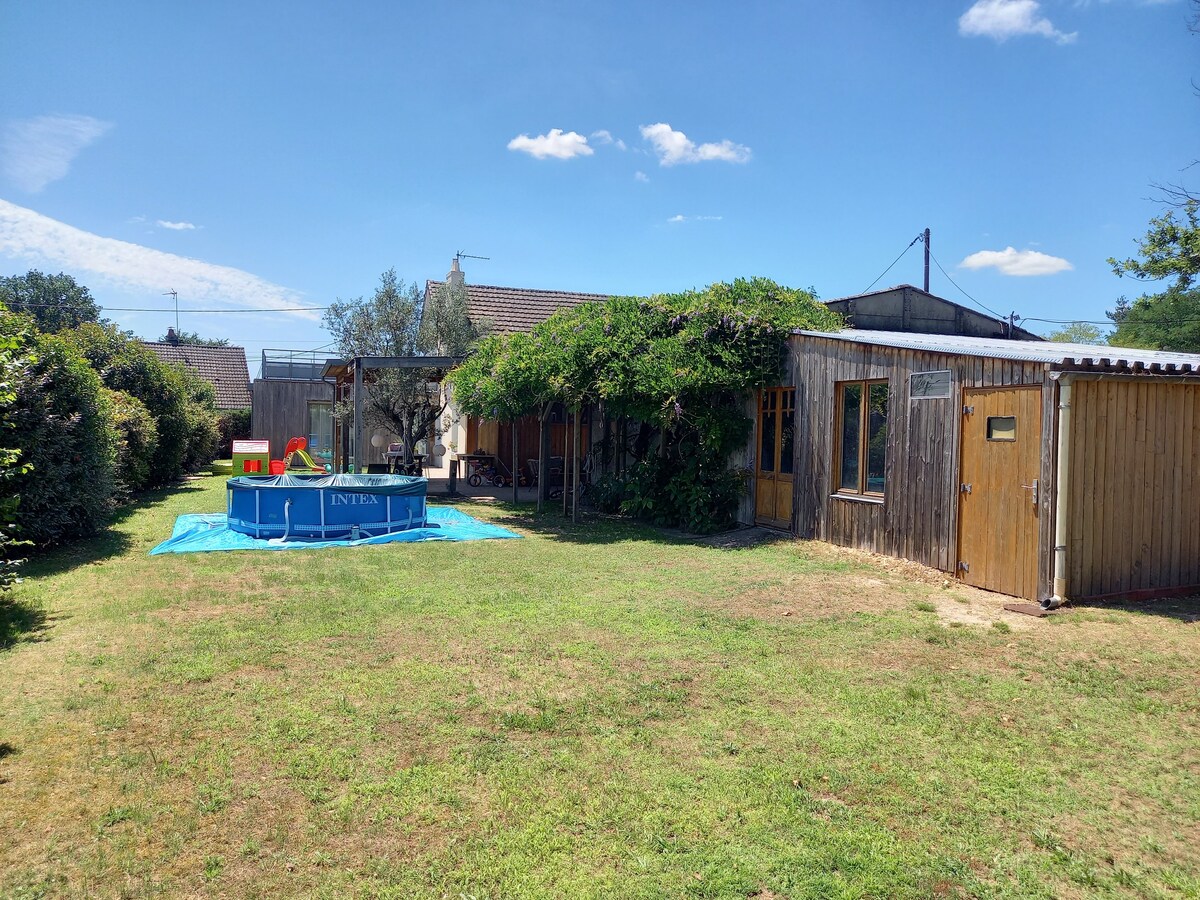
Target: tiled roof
(1069,356)
(223,367)
(516,309)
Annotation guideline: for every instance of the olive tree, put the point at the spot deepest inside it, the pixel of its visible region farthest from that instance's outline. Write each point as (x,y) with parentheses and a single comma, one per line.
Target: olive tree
(395,321)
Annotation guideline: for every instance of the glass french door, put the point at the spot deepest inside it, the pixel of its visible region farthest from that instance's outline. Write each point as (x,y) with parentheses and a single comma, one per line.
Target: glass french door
(774,479)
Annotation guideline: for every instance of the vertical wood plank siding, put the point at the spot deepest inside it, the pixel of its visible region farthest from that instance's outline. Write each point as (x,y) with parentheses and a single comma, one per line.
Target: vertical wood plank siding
(279,410)
(918,518)
(1135,487)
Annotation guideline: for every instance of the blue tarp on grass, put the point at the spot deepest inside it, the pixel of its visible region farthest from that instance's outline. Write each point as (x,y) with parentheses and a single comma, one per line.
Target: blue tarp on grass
(200,533)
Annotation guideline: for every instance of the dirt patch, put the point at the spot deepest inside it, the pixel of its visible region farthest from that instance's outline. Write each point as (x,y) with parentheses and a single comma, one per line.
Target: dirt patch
(890,586)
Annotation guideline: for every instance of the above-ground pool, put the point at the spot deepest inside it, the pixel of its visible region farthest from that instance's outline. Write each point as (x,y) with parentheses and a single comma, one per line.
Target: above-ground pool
(323,507)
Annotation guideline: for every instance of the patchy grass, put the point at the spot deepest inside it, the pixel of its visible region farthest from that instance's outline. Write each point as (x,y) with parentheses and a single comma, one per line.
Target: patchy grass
(593,711)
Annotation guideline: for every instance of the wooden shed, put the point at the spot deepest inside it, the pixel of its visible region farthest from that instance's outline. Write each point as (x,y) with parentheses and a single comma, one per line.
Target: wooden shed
(1041,470)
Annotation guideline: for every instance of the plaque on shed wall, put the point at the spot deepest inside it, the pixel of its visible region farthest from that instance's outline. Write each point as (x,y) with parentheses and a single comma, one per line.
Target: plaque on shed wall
(929,385)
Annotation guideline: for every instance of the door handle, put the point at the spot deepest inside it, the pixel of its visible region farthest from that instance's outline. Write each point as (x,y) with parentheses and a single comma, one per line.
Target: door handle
(1034,488)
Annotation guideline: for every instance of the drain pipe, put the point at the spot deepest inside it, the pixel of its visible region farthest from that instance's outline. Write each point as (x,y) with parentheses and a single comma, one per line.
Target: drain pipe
(1062,495)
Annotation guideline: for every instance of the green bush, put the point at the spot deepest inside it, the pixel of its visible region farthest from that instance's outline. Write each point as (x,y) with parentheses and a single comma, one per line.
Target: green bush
(59,421)
(137,440)
(125,365)
(233,425)
(203,432)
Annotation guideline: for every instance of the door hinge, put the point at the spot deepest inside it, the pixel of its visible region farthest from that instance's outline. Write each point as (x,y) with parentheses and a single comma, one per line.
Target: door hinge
(968,410)
(964,488)
(964,566)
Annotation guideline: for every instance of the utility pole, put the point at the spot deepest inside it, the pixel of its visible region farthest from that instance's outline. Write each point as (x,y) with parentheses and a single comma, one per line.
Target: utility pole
(925,237)
(173,294)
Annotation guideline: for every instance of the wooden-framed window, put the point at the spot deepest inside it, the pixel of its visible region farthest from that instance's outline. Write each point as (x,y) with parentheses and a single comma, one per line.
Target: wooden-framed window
(860,437)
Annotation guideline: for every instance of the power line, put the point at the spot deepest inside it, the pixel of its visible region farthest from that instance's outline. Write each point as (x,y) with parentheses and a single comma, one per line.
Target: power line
(1110,323)
(894,261)
(194,311)
(965,294)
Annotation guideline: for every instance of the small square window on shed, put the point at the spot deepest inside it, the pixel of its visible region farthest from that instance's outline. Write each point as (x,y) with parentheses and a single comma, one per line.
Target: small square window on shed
(1002,428)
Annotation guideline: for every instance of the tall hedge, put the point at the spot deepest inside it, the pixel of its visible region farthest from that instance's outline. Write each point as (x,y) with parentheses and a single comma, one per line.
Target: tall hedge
(204,435)
(125,365)
(136,441)
(233,425)
(10,459)
(60,422)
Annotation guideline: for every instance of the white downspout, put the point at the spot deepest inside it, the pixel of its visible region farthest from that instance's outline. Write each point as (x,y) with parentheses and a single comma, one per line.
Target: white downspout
(1062,495)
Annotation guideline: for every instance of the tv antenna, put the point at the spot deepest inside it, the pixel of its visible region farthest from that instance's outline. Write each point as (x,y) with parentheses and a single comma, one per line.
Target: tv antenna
(174,295)
(462,254)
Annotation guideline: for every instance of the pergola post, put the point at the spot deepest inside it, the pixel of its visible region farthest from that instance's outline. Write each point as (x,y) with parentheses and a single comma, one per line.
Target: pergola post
(516,472)
(358,416)
(543,486)
(575,466)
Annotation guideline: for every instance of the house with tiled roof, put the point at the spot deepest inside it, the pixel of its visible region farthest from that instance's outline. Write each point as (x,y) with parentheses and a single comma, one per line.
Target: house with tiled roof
(506,309)
(223,367)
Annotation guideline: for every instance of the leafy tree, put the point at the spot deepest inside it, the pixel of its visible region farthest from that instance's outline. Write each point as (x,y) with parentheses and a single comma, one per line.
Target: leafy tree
(1169,320)
(679,364)
(56,302)
(393,323)
(1078,333)
(193,339)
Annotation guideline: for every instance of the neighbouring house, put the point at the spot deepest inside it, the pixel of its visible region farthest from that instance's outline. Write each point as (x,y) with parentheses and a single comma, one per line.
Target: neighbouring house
(507,310)
(1041,470)
(222,367)
(291,399)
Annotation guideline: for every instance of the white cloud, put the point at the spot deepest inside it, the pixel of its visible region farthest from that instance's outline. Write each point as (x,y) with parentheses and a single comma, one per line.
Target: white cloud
(604,137)
(676,219)
(38,151)
(176,226)
(674,147)
(1016,262)
(640,176)
(30,235)
(1002,19)
(556,144)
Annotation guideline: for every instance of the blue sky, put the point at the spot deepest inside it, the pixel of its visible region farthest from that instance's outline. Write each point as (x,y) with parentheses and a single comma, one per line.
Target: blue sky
(283,155)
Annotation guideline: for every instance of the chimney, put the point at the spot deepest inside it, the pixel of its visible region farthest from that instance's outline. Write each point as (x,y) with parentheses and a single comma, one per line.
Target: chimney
(454,277)
(172,337)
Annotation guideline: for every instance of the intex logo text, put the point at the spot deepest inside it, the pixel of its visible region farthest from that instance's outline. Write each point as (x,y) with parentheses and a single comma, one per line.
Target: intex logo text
(353,499)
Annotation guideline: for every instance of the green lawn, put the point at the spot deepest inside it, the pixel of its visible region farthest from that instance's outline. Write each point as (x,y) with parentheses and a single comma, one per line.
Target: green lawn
(592,711)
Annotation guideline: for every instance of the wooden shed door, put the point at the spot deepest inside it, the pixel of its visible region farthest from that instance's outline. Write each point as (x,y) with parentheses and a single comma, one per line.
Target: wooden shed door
(998,494)
(774,479)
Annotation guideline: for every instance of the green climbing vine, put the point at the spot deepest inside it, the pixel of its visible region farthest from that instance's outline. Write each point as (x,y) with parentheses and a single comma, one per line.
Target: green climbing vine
(678,365)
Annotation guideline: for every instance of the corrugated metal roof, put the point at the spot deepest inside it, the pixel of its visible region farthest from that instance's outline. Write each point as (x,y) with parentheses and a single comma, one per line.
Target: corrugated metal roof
(1067,356)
